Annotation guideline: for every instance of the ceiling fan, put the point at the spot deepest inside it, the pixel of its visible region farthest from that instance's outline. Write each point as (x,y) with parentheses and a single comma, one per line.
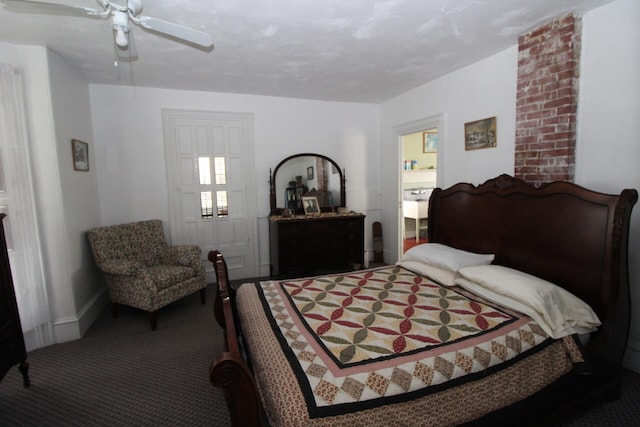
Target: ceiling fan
(121,15)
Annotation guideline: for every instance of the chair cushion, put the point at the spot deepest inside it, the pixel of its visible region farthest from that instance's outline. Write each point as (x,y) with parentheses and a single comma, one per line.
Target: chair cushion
(164,275)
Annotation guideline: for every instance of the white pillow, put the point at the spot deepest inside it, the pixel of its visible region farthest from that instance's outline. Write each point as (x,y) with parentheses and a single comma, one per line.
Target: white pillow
(446,257)
(437,274)
(557,311)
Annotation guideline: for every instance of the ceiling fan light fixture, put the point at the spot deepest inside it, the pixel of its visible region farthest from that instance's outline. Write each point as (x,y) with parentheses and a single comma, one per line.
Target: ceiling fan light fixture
(120,23)
(121,38)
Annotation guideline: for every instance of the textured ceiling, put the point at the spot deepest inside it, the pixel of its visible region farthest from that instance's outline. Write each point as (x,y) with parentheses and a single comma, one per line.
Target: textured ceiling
(342,50)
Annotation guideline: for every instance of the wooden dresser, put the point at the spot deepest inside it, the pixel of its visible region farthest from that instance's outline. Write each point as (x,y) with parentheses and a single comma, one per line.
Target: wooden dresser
(303,245)
(12,349)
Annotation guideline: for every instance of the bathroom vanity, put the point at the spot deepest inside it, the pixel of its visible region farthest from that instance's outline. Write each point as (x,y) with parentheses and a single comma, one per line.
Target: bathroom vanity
(416,210)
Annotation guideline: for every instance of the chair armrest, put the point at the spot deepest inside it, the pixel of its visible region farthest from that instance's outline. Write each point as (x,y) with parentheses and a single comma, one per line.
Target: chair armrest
(123,267)
(187,255)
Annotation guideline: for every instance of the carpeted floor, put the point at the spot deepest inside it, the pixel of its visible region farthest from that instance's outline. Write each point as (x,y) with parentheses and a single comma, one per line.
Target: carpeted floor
(122,374)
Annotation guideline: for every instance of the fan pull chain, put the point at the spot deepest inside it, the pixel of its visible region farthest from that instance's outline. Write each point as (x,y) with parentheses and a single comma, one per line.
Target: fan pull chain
(115,56)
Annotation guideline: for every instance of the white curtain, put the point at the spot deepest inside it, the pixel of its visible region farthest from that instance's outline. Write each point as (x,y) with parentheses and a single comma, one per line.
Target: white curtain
(18,202)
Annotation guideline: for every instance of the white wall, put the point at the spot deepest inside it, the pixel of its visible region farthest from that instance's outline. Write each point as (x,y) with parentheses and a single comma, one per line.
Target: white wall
(130,151)
(484,89)
(608,151)
(63,207)
(80,202)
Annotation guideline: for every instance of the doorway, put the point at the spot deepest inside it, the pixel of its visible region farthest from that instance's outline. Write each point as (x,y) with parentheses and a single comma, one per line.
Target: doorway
(420,169)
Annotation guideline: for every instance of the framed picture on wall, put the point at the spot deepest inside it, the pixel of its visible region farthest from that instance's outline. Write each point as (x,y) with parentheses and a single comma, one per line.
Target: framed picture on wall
(480,134)
(430,141)
(310,172)
(80,152)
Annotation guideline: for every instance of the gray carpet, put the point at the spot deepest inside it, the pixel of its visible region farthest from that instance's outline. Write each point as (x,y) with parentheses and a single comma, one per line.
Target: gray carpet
(122,374)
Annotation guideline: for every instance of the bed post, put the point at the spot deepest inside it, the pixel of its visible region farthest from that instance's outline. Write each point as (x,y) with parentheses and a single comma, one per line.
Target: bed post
(609,345)
(223,289)
(229,371)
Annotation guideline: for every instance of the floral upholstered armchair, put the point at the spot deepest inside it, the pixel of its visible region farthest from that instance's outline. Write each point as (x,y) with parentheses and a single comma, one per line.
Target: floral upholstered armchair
(142,270)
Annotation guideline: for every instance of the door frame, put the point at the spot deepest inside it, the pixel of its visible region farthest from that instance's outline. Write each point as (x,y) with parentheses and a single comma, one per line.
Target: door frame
(408,128)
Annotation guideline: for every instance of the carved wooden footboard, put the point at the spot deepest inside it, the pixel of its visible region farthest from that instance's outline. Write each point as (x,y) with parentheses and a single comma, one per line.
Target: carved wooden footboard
(229,371)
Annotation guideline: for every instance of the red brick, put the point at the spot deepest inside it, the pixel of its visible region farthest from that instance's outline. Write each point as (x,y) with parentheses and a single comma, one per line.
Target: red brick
(559,102)
(529,124)
(567,109)
(540,114)
(547,91)
(556,136)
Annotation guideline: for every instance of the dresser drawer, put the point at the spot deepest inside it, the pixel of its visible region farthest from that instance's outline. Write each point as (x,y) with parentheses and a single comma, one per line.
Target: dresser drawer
(316,243)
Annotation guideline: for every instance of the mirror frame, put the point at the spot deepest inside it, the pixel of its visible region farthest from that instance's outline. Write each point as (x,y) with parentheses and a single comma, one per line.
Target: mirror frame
(272,184)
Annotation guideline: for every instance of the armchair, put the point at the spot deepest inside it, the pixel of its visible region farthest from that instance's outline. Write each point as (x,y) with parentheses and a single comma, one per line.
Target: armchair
(142,270)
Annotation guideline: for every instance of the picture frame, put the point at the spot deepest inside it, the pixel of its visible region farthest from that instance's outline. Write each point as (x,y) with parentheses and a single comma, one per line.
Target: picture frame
(80,153)
(310,172)
(430,141)
(310,205)
(481,134)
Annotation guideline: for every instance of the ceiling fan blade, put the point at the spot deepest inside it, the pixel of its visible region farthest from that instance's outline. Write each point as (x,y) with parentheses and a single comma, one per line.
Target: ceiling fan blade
(52,6)
(175,30)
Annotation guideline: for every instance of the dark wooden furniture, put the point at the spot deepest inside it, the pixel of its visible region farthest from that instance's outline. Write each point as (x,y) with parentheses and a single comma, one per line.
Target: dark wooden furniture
(299,246)
(12,348)
(560,232)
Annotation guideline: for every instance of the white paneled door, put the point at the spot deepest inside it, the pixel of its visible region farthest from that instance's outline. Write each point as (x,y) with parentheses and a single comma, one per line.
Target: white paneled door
(210,171)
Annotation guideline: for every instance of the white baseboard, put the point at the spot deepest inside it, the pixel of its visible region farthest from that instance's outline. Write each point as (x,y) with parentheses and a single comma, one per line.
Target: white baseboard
(74,327)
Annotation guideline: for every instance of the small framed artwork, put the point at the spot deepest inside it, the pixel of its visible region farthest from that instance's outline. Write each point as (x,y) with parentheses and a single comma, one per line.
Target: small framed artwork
(430,141)
(80,152)
(480,134)
(310,172)
(310,205)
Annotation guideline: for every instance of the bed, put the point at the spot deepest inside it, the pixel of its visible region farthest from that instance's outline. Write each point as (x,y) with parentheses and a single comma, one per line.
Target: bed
(518,308)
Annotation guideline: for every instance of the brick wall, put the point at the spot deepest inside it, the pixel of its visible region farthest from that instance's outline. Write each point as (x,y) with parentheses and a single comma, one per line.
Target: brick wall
(547,100)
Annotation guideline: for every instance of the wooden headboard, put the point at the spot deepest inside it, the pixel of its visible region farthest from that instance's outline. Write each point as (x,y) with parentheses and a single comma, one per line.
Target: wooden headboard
(561,232)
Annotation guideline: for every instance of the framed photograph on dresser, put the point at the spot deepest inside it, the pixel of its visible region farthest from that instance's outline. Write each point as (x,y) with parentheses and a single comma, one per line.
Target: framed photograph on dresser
(310,205)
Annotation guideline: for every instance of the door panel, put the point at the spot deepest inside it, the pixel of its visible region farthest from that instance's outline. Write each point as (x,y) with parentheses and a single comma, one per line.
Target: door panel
(209,168)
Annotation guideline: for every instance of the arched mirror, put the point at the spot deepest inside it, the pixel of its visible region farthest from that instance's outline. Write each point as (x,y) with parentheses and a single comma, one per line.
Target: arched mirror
(307,174)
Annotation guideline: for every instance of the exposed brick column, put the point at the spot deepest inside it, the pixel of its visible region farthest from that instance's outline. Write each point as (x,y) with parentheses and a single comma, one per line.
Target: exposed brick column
(547,101)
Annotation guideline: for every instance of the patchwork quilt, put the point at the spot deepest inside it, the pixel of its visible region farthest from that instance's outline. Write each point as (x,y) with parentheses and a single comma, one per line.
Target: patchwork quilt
(334,346)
